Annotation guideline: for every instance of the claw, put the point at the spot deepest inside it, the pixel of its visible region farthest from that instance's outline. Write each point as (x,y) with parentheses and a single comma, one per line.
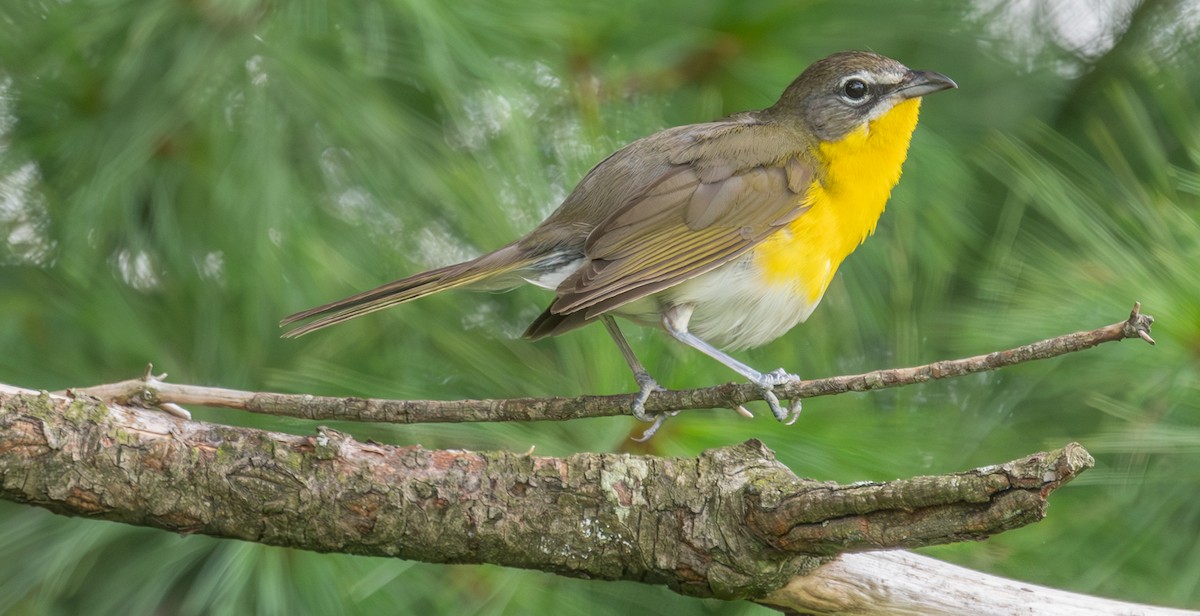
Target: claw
(766,387)
(768,395)
(793,411)
(658,422)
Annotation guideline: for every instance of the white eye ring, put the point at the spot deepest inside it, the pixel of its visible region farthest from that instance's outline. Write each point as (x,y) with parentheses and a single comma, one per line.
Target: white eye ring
(855,90)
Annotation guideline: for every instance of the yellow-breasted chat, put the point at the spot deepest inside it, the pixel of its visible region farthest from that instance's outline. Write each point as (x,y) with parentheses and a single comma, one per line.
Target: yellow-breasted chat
(724,234)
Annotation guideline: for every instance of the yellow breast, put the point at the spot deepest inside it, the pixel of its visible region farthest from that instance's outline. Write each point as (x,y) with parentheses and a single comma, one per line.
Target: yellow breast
(845,204)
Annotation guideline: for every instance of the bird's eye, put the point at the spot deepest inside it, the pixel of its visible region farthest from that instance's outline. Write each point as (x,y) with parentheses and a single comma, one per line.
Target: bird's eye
(855,89)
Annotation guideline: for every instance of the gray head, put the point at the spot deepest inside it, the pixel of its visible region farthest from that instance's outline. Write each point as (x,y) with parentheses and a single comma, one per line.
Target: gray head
(836,95)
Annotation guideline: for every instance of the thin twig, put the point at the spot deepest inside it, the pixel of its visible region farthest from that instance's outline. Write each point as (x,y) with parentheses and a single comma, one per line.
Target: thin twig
(153,391)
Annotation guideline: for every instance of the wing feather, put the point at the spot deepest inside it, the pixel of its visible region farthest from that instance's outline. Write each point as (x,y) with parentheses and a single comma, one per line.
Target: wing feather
(679,228)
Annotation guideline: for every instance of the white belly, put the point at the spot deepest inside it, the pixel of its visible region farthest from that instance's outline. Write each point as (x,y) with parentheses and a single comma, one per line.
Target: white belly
(735,309)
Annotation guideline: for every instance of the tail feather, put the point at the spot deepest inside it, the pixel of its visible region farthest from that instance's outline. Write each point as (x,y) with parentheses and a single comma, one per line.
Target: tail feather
(553,324)
(491,265)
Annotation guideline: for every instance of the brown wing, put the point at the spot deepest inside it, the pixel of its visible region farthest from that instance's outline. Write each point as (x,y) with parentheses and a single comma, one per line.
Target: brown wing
(697,216)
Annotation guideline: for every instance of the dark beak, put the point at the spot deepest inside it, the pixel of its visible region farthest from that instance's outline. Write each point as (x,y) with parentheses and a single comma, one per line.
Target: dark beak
(920,83)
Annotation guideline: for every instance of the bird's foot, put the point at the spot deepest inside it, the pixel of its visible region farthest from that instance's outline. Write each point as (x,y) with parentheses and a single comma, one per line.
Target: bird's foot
(766,389)
(646,386)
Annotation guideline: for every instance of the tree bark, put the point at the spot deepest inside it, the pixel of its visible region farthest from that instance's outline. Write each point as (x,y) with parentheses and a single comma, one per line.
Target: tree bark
(733,523)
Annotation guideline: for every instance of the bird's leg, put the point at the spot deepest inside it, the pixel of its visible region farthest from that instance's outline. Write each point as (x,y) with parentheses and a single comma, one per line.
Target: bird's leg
(675,321)
(646,383)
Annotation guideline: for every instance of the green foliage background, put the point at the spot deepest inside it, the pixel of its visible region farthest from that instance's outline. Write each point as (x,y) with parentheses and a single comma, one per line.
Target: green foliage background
(176,176)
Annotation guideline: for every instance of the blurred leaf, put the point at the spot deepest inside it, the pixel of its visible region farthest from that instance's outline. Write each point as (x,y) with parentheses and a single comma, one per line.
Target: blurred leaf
(176,177)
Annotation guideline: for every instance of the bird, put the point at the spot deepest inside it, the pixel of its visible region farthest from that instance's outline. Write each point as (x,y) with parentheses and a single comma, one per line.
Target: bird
(724,234)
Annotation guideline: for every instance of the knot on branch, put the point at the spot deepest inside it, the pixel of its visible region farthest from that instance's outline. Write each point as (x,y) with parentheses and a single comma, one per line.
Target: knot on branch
(824,518)
(1138,325)
(750,523)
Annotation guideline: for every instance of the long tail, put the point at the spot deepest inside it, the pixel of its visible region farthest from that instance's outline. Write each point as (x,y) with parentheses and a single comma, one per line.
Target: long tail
(491,265)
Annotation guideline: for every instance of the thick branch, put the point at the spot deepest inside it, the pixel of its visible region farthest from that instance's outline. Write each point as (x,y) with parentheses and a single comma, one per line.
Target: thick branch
(152,391)
(732,523)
